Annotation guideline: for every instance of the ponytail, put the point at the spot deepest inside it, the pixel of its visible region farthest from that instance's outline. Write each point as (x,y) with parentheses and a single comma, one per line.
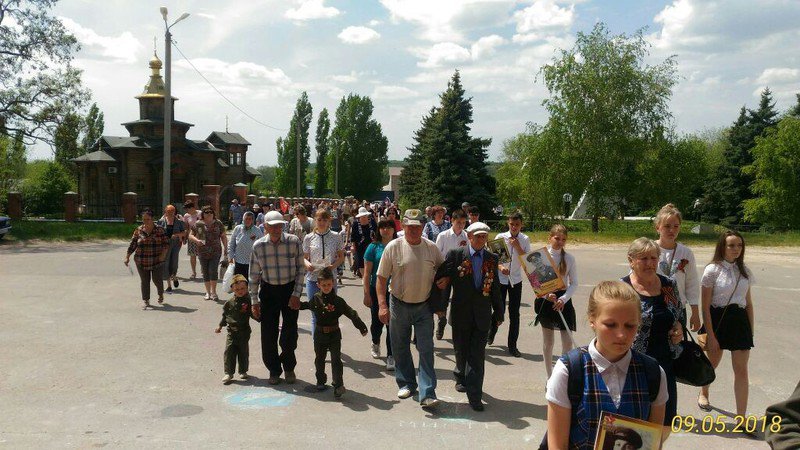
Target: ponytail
(562,266)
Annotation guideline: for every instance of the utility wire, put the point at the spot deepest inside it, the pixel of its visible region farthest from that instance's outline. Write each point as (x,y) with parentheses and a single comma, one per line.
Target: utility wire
(223,95)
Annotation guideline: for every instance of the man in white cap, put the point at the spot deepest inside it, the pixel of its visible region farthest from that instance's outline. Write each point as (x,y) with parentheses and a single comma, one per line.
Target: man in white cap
(361,236)
(411,263)
(476,305)
(276,282)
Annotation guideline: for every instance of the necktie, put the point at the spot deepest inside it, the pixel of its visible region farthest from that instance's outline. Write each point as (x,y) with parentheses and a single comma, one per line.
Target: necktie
(477,268)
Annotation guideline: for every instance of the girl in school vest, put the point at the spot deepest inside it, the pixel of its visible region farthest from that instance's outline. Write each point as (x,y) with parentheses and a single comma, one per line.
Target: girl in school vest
(615,377)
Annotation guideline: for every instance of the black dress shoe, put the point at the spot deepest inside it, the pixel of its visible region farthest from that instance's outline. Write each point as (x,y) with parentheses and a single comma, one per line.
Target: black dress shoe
(476,405)
(515,353)
(460,387)
(492,333)
(440,328)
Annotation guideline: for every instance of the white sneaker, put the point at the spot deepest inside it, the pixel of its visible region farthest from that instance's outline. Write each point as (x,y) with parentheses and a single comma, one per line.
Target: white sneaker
(207,296)
(244,375)
(404,392)
(376,351)
(227,379)
(390,363)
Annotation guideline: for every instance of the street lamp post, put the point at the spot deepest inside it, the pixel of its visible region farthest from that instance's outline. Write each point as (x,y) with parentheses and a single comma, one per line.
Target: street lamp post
(167,167)
(299,156)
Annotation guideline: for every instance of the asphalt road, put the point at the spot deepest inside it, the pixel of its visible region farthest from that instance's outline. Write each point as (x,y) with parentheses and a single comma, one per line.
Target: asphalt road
(83,366)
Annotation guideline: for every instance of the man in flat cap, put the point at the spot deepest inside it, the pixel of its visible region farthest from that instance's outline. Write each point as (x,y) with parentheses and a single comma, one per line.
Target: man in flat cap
(475,307)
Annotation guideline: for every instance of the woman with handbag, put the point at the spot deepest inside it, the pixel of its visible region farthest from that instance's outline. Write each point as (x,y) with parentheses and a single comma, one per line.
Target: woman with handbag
(728,314)
(663,316)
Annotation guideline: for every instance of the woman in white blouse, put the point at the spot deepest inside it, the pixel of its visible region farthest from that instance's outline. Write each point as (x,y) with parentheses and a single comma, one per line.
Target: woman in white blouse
(321,248)
(676,261)
(728,314)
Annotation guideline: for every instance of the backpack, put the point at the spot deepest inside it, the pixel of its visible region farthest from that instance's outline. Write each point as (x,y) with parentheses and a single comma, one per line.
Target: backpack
(575,381)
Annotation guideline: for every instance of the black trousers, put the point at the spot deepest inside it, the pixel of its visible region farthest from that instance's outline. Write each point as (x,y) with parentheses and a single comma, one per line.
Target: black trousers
(155,273)
(242,269)
(323,342)
(376,326)
(514,301)
(237,346)
(274,300)
(469,344)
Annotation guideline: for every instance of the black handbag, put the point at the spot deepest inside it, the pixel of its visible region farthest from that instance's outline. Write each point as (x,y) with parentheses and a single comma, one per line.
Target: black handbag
(692,367)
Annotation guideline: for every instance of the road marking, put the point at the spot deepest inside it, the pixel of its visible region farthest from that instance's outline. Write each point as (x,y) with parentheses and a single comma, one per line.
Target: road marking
(259,399)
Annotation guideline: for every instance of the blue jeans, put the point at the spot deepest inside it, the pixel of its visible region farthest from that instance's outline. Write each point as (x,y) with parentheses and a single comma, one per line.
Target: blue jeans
(403,317)
(311,291)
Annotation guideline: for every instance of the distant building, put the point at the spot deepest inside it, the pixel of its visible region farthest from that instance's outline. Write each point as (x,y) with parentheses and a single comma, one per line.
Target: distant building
(394,181)
(115,164)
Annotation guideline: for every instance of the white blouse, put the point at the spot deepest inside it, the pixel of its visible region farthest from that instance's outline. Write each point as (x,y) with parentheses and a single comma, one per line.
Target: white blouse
(679,265)
(570,278)
(322,249)
(722,278)
(515,271)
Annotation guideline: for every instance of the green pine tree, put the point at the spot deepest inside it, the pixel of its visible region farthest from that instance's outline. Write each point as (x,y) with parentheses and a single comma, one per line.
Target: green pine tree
(93,127)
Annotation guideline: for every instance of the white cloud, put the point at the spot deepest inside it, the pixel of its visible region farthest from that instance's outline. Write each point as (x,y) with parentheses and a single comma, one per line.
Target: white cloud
(544,15)
(122,48)
(486,46)
(351,78)
(239,73)
(375,22)
(311,9)
(206,16)
(442,53)
(393,93)
(443,20)
(358,35)
(778,75)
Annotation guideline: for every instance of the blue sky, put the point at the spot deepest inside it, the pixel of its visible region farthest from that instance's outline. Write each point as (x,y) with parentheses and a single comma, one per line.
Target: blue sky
(263,53)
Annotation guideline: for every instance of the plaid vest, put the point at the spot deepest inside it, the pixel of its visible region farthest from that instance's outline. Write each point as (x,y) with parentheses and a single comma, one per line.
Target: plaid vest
(634,401)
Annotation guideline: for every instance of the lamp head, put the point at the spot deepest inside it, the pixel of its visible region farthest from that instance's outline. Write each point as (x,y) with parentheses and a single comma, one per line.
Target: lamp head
(183,16)
(164,12)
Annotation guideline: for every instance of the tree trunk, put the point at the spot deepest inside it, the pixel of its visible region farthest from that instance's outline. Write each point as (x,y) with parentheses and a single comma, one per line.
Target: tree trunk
(595,223)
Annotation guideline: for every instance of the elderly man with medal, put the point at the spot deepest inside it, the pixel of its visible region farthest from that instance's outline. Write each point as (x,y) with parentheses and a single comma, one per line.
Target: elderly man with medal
(477,304)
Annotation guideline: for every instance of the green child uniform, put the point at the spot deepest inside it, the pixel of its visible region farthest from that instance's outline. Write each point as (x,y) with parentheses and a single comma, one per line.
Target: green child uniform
(327,335)
(236,315)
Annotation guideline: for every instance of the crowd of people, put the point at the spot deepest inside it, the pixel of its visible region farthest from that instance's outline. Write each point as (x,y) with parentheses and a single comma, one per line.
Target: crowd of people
(423,270)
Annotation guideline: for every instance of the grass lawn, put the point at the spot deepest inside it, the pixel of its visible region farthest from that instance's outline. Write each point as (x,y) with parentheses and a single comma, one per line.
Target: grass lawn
(62,231)
(579,232)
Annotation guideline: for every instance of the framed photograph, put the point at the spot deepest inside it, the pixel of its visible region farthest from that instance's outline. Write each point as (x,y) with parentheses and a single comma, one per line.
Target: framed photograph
(616,431)
(541,271)
(499,248)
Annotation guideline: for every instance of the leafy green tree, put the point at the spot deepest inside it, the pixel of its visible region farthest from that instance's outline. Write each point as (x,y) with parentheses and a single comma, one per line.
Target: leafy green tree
(43,191)
(776,174)
(264,183)
(38,84)
(286,175)
(93,125)
(452,163)
(359,141)
(13,162)
(321,172)
(795,111)
(607,109)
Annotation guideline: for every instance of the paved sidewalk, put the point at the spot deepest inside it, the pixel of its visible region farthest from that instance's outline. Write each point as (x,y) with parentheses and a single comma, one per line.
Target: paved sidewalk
(83,366)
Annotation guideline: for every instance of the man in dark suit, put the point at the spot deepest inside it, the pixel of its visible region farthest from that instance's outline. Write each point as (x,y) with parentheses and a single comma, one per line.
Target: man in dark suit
(476,304)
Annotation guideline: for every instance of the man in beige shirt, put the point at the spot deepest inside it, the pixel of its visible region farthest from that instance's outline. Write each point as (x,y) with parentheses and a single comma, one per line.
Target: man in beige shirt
(411,263)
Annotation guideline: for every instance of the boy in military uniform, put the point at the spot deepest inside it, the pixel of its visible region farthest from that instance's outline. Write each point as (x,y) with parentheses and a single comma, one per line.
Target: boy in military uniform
(328,307)
(236,315)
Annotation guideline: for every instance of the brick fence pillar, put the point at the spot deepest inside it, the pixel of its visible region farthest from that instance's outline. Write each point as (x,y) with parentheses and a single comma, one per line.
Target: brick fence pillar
(211,197)
(194,198)
(240,191)
(71,202)
(129,207)
(15,205)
